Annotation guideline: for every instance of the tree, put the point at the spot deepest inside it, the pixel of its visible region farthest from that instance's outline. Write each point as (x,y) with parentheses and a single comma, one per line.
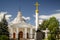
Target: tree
(4,27)
(52,24)
(3,37)
(44,25)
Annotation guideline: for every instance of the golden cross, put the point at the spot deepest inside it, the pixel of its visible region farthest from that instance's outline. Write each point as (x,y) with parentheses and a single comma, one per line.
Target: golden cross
(36,5)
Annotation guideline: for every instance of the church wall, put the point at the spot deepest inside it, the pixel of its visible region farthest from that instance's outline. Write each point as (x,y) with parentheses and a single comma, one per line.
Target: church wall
(17,30)
(10,31)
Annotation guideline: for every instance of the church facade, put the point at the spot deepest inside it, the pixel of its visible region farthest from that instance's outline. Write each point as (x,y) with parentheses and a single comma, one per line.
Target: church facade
(19,29)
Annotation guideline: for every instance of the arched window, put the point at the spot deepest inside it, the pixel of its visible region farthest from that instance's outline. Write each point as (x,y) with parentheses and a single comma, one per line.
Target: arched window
(14,35)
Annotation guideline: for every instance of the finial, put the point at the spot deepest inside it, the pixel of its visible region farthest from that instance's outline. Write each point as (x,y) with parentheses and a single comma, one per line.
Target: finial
(37,4)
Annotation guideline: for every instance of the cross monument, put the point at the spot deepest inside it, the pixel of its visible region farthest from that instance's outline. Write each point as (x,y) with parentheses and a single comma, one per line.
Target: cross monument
(37,17)
(46,32)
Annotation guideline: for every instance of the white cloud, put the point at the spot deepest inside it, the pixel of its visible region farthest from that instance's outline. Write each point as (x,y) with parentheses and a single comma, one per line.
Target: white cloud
(34,15)
(43,17)
(1,14)
(57,10)
(57,15)
(7,16)
(40,21)
(26,18)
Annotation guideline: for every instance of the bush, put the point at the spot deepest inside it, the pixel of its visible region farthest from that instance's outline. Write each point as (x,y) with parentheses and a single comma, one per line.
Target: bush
(51,37)
(4,37)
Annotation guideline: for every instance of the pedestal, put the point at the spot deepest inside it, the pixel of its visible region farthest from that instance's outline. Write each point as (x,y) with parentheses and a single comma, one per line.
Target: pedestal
(39,35)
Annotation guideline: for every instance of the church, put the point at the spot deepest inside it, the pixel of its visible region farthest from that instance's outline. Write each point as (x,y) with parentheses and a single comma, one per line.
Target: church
(19,29)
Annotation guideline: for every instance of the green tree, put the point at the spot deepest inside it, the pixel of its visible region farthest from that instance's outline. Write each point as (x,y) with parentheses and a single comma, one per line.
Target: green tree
(3,37)
(44,25)
(4,27)
(52,24)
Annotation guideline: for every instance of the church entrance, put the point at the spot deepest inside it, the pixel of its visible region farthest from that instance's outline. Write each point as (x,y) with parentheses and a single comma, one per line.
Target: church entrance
(20,35)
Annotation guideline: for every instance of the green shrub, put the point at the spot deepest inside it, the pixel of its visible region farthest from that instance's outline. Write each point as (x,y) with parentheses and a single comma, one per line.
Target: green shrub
(51,37)
(3,37)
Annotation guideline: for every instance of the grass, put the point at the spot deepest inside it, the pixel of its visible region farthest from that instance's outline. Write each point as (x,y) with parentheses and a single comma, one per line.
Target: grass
(45,39)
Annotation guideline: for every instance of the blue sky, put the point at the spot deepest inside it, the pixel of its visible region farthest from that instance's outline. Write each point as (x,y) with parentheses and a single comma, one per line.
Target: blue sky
(46,8)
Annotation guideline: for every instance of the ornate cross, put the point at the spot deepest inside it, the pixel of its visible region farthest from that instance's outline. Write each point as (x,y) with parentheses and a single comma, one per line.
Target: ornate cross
(37,5)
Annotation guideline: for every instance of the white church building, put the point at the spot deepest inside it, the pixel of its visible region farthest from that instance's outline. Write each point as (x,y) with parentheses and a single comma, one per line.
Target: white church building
(19,29)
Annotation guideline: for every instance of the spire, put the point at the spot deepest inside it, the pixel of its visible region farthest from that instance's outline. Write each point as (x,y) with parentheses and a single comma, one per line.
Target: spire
(19,16)
(18,19)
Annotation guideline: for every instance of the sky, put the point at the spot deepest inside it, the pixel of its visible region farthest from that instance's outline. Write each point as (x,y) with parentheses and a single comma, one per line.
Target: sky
(47,9)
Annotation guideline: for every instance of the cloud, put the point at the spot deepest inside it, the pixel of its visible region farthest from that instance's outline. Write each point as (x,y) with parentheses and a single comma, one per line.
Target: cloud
(1,14)
(40,21)
(57,15)
(26,18)
(16,20)
(44,17)
(7,16)
(57,10)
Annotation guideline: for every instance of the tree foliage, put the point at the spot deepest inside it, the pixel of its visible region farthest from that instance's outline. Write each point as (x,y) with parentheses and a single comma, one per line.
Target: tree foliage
(52,24)
(3,37)
(44,25)
(4,27)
